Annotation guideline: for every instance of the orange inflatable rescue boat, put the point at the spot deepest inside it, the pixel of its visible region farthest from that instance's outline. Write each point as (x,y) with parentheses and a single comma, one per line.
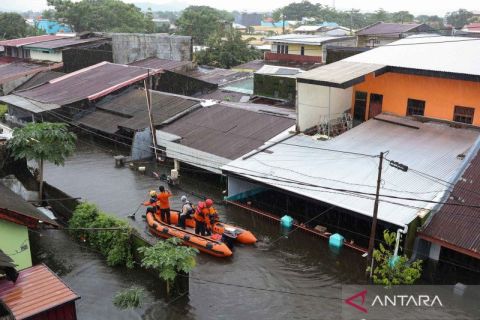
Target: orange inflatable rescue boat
(203,243)
(242,235)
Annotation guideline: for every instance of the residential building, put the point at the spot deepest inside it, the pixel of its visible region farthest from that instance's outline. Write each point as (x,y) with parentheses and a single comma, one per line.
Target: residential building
(249,19)
(473,27)
(39,294)
(326,29)
(429,77)
(15,47)
(16,217)
(303,48)
(276,82)
(381,33)
(68,97)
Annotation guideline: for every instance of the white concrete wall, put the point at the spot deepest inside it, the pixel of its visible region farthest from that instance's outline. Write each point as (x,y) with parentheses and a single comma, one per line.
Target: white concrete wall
(315,102)
(237,186)
(39,55)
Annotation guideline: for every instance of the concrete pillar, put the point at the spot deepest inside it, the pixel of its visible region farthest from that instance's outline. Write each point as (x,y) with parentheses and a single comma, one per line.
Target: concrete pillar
(176,165)
(434,253)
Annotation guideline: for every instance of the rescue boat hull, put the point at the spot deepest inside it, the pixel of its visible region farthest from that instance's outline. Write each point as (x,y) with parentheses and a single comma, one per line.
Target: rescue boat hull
(203,244)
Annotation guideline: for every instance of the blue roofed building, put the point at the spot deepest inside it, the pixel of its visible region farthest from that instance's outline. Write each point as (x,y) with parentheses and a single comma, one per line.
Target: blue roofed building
(52,27)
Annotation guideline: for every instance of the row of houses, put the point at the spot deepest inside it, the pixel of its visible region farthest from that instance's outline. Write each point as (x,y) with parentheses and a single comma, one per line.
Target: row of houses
(416,98)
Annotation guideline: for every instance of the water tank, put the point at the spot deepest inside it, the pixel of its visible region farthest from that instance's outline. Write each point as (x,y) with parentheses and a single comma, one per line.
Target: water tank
(286,221)
(336,240)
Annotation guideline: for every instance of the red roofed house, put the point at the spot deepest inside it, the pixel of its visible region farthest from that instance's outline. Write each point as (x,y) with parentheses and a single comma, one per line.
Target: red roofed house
(472,27)
(37,294)
(14,47)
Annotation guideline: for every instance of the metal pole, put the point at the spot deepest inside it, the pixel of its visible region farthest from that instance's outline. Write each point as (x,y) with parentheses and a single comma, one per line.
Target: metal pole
(371,244)
(149,108)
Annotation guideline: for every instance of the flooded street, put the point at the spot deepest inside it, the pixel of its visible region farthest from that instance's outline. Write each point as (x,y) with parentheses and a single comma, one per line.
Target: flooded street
(297,277)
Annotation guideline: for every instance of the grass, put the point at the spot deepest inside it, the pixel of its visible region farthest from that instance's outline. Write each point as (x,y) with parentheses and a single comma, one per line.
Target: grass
(129,298)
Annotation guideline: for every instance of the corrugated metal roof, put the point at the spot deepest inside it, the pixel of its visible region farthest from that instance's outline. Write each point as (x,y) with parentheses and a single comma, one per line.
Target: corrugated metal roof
(61,43)
(27,104)
(251,65)
(37,289)
(308,28)
(306,39)
(216,76)
(432,148)
(279,70)
(10,201)
(133,105)
(102,121)
(39,78)
(15,70)
(224,95)
(157,63)
(28,40)
(341,74)
(90,83)
(433,53)
(458,225)
(227,132)
(388,29)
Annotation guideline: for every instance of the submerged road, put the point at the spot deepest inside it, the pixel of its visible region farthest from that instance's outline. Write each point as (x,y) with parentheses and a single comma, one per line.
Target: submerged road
(297,277)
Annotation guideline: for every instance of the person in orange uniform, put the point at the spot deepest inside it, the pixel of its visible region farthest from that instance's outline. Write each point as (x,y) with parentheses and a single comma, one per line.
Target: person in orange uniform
(199,217)
(164,204)
(211,216)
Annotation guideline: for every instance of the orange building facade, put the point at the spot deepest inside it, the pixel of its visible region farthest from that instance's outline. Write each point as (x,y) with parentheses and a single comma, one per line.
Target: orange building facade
(410,94)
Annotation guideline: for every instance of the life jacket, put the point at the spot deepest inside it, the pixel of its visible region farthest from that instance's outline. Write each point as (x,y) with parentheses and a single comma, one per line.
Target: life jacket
(199,215)
(212,215)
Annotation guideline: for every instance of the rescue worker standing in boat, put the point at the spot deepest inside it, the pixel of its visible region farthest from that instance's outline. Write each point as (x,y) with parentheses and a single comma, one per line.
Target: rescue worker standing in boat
(211,216)
(164,204)
(186,213)
(200,217)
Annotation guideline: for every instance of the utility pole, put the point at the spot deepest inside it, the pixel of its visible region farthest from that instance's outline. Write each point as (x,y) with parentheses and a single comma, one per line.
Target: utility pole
(283,22)
(149,108)
(371,244)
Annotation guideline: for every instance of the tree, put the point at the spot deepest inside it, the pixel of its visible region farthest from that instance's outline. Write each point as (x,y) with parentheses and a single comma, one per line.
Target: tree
(168,258)
(48,14)
(459,18)
(227,49)
(42,142)
(102,15)
(390,270)
(402,17)
(434,22)
(297,11)
(12,25)
(200,22)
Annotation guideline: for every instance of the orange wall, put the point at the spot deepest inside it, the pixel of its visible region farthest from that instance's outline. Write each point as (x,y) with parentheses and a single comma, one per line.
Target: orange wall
(440,95)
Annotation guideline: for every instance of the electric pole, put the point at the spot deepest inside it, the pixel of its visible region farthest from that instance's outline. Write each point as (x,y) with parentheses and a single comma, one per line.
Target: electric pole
(371,244)
(148,95)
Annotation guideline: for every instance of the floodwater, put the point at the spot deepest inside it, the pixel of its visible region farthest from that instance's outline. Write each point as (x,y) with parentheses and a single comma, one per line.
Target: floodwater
(297,277)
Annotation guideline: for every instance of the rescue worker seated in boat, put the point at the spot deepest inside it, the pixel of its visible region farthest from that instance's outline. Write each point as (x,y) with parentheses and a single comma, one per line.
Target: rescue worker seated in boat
(187,210)
(152,204)
(199,217)
(164,204)
(211,216)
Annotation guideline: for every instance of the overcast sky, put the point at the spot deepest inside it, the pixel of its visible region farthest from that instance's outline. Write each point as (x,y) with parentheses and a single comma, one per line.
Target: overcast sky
(416,6)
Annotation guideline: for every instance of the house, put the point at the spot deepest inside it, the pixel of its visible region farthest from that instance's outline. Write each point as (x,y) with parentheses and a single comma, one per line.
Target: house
(381,33)
(303,47)
(16,217)
(452,231)
(326,29)
(51,26)
(52,50)
(276,82)
(38,294)
(15,47)
(249,19)
(332,182)
(239,27)
(473,27)
(228,131)
(72,95)
(416,76)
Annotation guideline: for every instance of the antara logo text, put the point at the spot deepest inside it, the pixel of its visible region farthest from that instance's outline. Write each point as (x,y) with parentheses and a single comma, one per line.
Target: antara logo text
(421,300)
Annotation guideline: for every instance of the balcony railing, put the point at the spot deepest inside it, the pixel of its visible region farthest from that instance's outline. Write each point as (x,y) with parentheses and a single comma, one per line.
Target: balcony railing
(272,56)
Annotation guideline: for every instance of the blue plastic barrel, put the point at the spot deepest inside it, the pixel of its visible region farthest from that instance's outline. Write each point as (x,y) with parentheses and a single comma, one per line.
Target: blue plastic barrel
(286,221)
(336,240)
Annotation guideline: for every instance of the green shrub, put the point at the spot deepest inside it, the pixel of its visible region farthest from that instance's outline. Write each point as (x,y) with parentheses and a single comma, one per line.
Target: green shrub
(3,110)
(115,245)
(129,298)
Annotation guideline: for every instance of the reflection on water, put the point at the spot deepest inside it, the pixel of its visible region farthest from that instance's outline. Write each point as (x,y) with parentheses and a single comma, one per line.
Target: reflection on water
(292,278)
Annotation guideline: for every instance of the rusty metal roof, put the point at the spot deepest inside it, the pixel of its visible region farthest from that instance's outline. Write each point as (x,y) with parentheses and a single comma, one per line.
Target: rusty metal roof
(36,290)
(216,76)
(391,29)
(224,95)
(456,225)
(226,131)
(103,121)
(89,83)
(39,78)
(12,202)
(157,63)
(61,43)
(29,40)
(18,69)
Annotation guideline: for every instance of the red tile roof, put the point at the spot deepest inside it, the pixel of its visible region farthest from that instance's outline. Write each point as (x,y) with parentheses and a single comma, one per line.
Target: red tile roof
(28,40)
(458,227)
(37,289)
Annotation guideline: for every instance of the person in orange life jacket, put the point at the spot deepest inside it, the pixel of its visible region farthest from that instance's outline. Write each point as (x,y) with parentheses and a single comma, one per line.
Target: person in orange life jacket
(186,213)
(211,216)
(199,217)
(164,204)
(152,202)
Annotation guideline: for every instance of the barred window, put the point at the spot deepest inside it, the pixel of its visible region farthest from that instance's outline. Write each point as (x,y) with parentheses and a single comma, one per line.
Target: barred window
(415,107)
(463,114)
